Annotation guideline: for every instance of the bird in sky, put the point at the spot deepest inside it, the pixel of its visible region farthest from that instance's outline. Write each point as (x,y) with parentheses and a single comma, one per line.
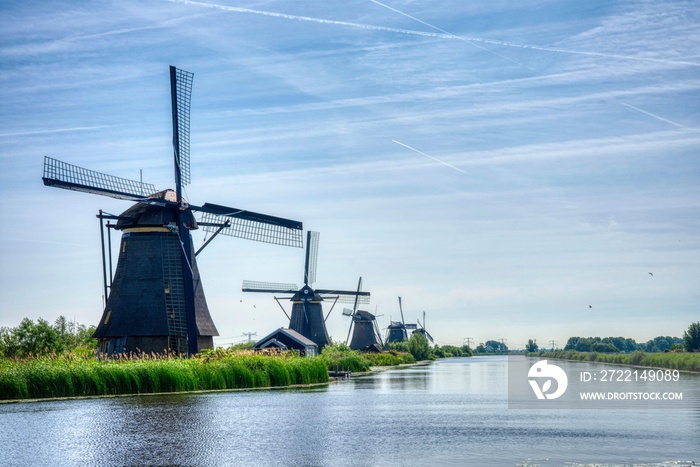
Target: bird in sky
(590,306)
(651,274)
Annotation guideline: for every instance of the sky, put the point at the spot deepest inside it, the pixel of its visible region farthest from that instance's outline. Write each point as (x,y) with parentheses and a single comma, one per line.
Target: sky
(517,170)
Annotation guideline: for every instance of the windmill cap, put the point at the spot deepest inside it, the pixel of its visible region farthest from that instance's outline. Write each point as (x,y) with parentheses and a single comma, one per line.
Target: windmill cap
(364,315)
(155,211)
(307,293)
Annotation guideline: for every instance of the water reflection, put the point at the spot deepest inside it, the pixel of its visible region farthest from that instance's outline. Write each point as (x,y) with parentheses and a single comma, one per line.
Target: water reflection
(452,412)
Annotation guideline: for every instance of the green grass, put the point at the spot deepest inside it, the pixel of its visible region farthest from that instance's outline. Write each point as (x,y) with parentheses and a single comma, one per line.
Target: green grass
(72,376)
(674,360)
(390,358)
(341,357)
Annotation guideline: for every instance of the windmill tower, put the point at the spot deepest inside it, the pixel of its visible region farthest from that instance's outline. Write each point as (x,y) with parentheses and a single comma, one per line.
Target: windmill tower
(307,312)
(364,328)
(421,329)
(156,301)
(397,330)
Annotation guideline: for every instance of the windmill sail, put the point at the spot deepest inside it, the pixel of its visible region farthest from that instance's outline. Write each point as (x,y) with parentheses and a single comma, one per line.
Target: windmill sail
(181,97)
(60,174)
(345,296)
(269,287)
(311,257)
(251,225)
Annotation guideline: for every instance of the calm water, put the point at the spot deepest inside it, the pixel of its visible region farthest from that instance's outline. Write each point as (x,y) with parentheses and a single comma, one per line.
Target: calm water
(452,412)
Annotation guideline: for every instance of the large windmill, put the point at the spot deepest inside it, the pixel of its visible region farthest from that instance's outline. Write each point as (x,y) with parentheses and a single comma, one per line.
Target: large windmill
(397,330)
(156,301)
(364,328)
(307,312)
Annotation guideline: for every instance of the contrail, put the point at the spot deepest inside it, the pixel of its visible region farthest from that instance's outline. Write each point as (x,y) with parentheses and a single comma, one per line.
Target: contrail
(308,18)
(449,34)
(428,155)
(55,130)
(440,35)
(658,117)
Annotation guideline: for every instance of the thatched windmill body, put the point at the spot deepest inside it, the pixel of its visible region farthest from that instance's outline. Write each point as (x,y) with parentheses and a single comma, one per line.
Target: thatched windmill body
(397,331)
(364,328)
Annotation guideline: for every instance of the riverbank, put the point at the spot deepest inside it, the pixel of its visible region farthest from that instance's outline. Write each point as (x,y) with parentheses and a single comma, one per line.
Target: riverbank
(682,361)
(73,376)
(69,376)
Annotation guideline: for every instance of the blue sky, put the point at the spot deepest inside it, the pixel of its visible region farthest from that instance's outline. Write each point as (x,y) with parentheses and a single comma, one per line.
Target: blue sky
(502,165)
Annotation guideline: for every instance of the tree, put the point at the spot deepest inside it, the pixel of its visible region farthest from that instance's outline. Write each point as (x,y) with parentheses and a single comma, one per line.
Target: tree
(419,347)
(583,344)
(36,339)
(8,342)
(30,338)
(604,347)
(531,346)
(691,337)
(495,346)
(571,343)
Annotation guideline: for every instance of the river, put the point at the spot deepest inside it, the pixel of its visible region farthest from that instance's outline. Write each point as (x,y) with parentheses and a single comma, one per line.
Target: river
(450,412)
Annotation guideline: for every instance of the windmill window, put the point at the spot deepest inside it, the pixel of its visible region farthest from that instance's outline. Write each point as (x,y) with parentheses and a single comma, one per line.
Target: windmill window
(109,314)
(167,286)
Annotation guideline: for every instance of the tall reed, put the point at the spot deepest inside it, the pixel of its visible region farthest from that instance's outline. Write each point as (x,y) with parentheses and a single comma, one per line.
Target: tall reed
(70,376)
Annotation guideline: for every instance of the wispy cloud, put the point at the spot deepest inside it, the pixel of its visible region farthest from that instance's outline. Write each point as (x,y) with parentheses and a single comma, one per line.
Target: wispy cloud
(441,35)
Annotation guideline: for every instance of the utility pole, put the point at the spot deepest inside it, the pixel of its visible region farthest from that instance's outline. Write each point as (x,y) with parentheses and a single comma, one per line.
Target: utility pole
(468,341)
(553,344)
(250,336)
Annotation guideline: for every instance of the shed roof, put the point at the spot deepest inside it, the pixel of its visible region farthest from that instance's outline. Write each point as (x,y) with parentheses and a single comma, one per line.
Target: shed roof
(292,334)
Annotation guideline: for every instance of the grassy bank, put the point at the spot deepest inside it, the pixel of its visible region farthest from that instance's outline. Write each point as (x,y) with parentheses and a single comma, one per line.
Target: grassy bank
(676,361)
(73,376)
(341,357)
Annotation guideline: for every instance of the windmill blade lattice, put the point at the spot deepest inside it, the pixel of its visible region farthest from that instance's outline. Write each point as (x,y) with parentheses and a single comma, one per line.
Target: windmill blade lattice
(345,297)
(269,287)
(251,225)
(311,257)
(60,174)
(181,95)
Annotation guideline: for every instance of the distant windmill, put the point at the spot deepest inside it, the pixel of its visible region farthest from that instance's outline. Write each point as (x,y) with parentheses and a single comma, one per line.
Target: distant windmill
(365,335)
(307,312)
(156,301)
(421,329)
(397,330)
